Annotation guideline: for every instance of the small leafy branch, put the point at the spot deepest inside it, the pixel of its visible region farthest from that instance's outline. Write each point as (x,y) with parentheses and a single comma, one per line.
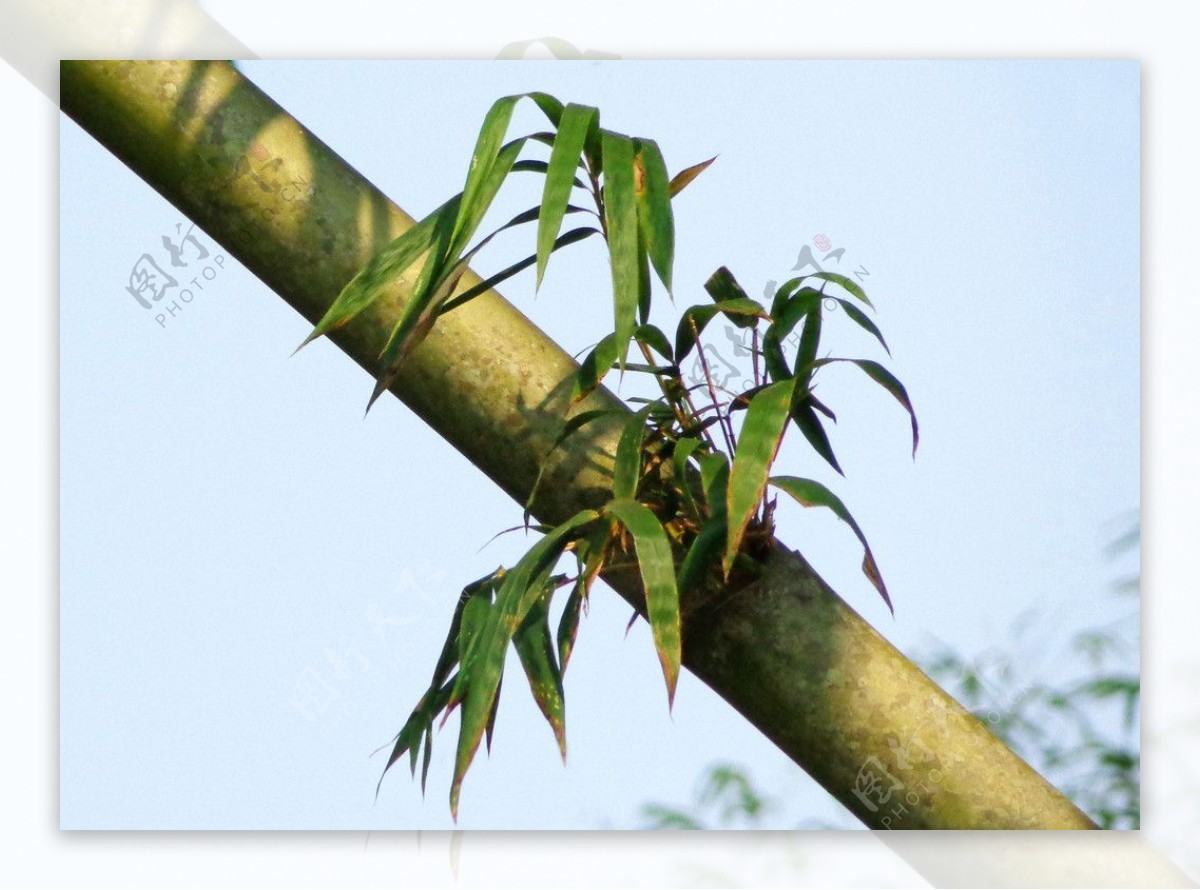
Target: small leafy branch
(690,501)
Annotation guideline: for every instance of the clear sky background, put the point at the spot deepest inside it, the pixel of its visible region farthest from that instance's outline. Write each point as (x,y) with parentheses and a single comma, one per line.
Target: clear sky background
(255,580)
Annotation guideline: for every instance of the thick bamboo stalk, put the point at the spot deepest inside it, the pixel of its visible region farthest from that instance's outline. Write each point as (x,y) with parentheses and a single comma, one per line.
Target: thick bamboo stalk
(785,650)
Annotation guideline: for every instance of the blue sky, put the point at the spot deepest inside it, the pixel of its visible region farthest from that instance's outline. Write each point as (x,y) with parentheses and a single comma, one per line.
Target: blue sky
(255,580)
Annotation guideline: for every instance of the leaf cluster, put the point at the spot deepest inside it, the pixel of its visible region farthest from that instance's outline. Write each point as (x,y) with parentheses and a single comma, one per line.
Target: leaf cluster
(692,469)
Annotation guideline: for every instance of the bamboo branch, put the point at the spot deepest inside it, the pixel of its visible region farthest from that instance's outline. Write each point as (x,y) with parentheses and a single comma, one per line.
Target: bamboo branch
(784,649)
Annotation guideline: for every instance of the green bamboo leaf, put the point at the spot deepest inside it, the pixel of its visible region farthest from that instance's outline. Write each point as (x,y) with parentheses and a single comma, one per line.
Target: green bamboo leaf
(810,338)
(475,620)
(440,274)
(384,268)
(572,237)
(481,593)
(627,466)
(884,378)
(490,729)
(814,494)
(536,652)
(568,624)
(657,568)
(655,217)
(723,288)
(695,318)
(704,553)
(551,107)
(784,294)
(774,360)
(714,478)
(597,363)
(592,152)
(475,597)
(848,283)
(525,216)
(643,280)
(788,309)
(414,325)
(483,159)
(653,337)
(483,656)
(683,178)
(860,318)
(419,724)
(528,165)
(470,215)
(620,224)
(560,178)
(821,406)
(428,756)
(808,423)
(759,439)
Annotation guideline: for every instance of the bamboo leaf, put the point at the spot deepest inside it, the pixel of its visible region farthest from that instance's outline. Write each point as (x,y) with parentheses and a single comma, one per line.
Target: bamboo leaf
(786,313)
(483,657)
(568,624)
(620,223)
(657,566)
(704,553)
(714,478)
(627,466)
(813,494)
(597,363)
(536,652)
(884,378)
(723,288)
(428,753)
(655,217)
(684,177)
(759,439)
(571,237)
(810,338)
(384,268)
(820,406)
(653,337)
(490,728)
(848,283)
(695,318)
(483,159)
(643,280)
(470,215)
(551,107)
(560,178)
(784,294)
(414,325)
(863,321)
(808,423)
